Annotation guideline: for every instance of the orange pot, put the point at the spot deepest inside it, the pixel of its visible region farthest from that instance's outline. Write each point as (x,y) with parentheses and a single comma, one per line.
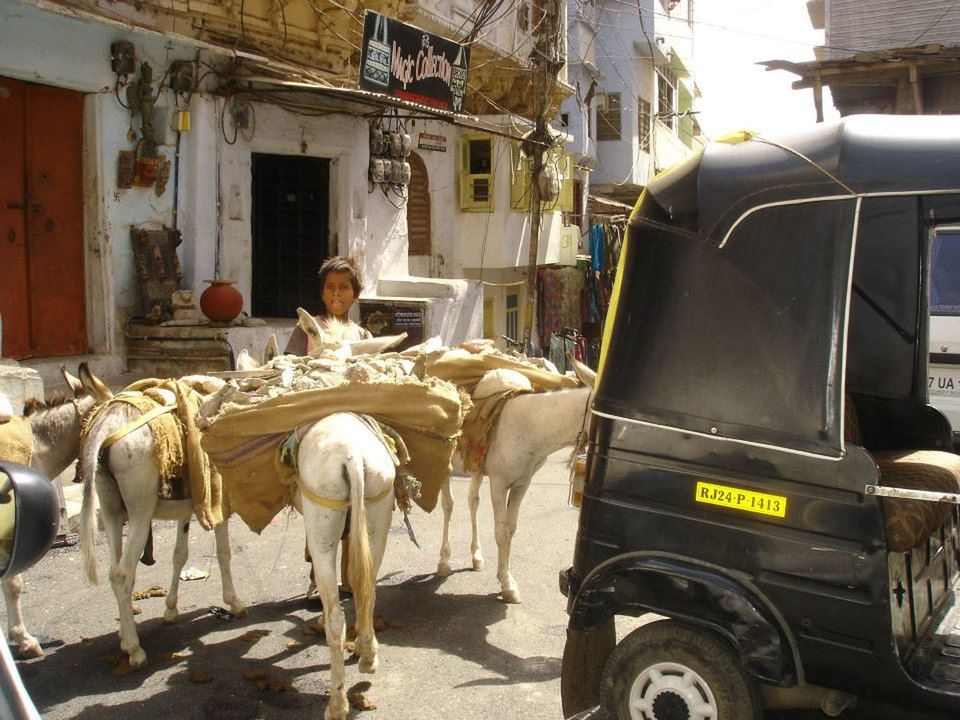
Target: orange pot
(221,302)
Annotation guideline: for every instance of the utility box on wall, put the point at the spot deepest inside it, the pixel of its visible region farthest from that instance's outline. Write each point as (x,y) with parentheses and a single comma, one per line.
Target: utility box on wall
(392,316)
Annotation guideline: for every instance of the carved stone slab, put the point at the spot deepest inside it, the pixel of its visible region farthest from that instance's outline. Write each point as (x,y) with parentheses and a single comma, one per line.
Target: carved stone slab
(158,270)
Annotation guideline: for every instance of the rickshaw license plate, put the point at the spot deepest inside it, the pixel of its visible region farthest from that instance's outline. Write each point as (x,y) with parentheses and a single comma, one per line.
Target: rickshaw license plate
(740,499)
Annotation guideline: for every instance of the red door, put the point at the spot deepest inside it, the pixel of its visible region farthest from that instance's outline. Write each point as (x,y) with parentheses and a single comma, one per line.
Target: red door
(41,221)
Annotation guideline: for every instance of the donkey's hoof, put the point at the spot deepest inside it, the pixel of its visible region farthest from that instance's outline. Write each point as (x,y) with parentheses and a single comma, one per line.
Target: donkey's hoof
(369,665)
(337,708)
(478,563)
(29,649)
(511,596)
(443,569)
(238,608)
(138,659)
(171,615)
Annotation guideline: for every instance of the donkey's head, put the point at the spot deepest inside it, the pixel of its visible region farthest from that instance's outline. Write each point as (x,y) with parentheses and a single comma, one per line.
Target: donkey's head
(333,337)
(56,423)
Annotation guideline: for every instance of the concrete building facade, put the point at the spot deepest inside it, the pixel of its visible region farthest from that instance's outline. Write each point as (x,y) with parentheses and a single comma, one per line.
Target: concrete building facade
(269,86)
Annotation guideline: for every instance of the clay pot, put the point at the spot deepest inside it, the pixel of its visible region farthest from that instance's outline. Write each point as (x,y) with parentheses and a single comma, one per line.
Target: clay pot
(221,302)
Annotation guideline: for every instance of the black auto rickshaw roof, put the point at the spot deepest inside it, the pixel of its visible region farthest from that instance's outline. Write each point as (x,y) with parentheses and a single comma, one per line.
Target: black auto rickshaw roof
(856,155)
(731,316)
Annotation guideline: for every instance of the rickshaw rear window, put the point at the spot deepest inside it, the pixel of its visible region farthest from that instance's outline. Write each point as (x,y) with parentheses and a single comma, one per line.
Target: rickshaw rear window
(740,341)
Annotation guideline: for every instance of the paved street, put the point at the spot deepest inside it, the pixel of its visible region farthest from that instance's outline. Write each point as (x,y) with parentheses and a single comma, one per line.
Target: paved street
(463,653)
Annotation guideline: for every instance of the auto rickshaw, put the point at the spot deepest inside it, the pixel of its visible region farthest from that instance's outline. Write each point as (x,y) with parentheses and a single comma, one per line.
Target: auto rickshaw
(764,471)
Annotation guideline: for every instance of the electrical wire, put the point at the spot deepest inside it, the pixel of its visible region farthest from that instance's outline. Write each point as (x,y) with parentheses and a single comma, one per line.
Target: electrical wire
(223,129)
(116,90)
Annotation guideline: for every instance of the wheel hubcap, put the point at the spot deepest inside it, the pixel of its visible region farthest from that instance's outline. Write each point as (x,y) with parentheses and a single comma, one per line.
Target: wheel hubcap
(670,691)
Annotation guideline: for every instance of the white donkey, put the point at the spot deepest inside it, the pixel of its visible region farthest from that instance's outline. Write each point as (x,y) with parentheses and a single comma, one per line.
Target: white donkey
(530,428)
(342,462)
(56,443)
(127,482)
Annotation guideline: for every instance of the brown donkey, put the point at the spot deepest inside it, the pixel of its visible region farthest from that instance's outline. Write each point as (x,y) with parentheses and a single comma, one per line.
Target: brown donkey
(56,444)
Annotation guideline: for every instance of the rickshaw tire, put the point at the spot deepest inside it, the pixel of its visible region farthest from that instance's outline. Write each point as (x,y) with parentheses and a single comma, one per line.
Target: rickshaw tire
(666,641)
(584,657)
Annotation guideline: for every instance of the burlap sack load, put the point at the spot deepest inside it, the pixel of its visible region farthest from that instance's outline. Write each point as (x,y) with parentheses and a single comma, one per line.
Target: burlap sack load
(491,378)
(176,443)
(493,390)
(465,369)
(16,440)
(244,442)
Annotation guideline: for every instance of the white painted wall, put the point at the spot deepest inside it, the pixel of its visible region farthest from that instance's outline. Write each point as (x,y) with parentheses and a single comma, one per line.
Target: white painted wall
(214,185)
(468,242)
(623,49)
(71,52)
(362,224)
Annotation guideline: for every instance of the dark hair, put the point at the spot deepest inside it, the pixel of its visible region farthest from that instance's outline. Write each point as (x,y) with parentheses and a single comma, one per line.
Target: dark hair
(341,264)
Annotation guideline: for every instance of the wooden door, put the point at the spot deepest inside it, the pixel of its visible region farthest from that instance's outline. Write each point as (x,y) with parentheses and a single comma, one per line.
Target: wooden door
(42,299)
(14,293)
(418,208)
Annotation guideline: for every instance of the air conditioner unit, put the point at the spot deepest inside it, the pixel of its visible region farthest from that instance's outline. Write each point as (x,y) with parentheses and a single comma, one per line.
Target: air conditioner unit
(601,101)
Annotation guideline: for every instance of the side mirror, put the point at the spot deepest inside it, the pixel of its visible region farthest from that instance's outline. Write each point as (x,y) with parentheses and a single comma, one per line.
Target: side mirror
(29,517)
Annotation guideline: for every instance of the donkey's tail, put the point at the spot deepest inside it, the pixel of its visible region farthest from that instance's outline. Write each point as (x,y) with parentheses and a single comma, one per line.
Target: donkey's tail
(360,568)
(89,459)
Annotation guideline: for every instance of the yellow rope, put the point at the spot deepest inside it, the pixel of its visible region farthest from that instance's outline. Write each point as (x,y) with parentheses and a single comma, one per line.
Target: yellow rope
(139,422)
(337,504)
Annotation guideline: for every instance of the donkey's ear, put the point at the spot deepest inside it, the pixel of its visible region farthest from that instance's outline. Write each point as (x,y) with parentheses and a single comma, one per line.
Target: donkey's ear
(76,387)
(584,374)
(245,361)
(309,325)
(92,384)
(271,349)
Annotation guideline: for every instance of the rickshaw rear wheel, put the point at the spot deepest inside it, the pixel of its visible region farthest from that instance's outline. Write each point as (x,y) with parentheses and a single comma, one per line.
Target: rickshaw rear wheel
(669,671)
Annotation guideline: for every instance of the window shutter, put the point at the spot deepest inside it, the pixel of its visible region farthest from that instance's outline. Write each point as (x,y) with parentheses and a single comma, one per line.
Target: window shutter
(476,189)
(418,208)
(465,193)
(519,180)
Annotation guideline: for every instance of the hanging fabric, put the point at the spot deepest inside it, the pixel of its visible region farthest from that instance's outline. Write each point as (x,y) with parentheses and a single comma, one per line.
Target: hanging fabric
(559,305)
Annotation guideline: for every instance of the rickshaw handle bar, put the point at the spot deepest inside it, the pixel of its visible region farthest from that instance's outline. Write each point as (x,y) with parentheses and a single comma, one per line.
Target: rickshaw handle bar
(906,494)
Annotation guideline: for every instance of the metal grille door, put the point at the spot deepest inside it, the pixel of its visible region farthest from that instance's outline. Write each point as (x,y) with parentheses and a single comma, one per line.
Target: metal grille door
(290,233)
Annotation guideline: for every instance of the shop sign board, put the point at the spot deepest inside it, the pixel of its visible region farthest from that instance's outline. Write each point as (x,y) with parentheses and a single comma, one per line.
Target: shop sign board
(429,141)
(390,317)
(411,64)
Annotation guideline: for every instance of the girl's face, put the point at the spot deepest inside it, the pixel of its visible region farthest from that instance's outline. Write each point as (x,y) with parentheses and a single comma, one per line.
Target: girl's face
(338,293)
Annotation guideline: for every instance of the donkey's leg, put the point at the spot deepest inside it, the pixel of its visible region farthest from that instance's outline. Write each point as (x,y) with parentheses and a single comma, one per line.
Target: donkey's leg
(222,535)
(323,528)
(26,644)
(506,497)
(122,578)
(180,553)
(473,501)
(446,502)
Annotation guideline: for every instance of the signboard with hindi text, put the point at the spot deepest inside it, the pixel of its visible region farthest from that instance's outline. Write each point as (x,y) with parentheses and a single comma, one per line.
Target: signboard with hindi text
(412,64)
